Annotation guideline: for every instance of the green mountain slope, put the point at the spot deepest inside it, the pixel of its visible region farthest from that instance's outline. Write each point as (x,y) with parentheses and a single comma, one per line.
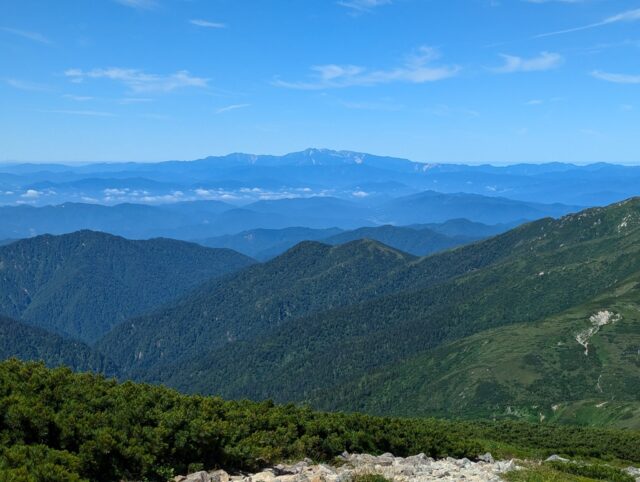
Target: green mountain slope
(84,283)
(26,342)
(564,367)
(309,278)
(329,354)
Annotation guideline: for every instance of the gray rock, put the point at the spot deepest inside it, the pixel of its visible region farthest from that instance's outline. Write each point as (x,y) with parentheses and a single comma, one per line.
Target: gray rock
(505,466)
(488,458)
(417,468)
(633,472)
(266,476)
(219,476)
(201,476)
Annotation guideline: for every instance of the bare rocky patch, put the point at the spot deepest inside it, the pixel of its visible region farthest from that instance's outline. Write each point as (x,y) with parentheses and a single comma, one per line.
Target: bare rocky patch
(354,467)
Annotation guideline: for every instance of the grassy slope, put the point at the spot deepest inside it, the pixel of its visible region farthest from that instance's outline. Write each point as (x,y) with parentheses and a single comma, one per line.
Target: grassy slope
(531,371)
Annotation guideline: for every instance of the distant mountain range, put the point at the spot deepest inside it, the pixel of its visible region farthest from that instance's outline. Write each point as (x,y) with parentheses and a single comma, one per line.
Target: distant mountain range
(205,219)
(538,322)
(244,178)
(419,239)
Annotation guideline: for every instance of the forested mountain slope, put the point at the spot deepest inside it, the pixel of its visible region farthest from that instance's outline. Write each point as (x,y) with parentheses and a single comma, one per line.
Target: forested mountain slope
(26,342)
(530,274)
(581,365)
(419,242)
(82,284)
(308,278)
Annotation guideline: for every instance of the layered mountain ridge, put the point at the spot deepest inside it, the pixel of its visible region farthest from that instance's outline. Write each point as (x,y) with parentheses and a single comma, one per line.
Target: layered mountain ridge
(539,322)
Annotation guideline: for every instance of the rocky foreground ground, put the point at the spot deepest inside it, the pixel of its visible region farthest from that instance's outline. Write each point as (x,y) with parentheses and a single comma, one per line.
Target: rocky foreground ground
(418,468)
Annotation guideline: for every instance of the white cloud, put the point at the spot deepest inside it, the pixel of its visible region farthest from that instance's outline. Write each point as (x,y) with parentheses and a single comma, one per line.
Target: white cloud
(175,196)
(360,194)
(114,191)
(544,61)
(232,107)
(616,78)
(534,102)
(628,16)
(207,23)
(31,194)
(362,5)
(416,69)
(34,36)
(139,4)
(139,81)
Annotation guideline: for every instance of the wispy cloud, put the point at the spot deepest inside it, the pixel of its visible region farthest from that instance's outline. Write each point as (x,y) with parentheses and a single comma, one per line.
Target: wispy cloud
(628,16)
(544,61)
(231,107)
(78,98)
(416,69)
(139,81)
(88,113)
(26,85)
(207,23)
(616,78)
(134,100)
(34,36)
(362,5)
(374,106)
(139,4)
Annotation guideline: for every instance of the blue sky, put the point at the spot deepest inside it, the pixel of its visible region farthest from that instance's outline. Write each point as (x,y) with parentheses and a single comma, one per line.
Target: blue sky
(497,81)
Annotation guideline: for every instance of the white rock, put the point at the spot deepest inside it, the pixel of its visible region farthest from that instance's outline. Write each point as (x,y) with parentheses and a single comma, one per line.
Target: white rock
(263,477)
(417,468)
(556,458)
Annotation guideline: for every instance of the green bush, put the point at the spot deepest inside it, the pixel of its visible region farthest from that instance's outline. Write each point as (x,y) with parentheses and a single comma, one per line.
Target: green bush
(370,478)
(593,471)
(59,426)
